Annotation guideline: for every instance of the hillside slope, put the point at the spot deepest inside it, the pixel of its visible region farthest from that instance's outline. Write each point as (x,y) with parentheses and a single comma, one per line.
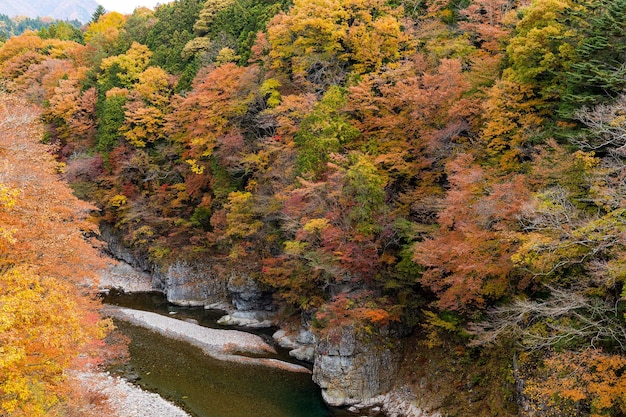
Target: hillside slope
(63,10)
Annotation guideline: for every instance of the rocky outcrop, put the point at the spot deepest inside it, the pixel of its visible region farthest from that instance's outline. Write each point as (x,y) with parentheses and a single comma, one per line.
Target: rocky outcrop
(351,368)
(247,295)
(253,319)
(301,344)
(183,283)
(125,277)
(254,306)
(193,284)
(396,403)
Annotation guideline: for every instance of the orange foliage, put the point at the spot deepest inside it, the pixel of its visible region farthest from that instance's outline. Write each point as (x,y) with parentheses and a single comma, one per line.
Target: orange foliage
(468,260)
(511,117)
(359,309)
(409,116)
(486,18)
(592,378)
(220,98)
(49,321)
(72,113)
(19,52)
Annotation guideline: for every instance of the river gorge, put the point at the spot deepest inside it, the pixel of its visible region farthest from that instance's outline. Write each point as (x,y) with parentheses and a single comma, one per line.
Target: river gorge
(204,386)
(336,375)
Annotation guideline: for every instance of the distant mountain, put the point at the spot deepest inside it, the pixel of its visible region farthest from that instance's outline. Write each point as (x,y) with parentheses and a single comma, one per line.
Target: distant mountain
(63,10)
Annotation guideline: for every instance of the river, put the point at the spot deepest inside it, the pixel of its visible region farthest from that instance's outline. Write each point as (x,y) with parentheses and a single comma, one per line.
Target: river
(206,387)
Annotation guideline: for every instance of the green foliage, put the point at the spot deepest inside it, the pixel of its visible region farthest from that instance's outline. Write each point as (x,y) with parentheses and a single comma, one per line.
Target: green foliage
(111,119)
(322,132)
(201,218)
(16,26)
(171,32)
(62,30)
(598,73)
(137,27)
(223,182)
(239,20)
(186,77)
(542,49)
(99,12)
(366,187)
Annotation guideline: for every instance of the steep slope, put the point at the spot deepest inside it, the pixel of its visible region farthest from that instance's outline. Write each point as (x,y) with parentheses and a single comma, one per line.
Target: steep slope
(63,10)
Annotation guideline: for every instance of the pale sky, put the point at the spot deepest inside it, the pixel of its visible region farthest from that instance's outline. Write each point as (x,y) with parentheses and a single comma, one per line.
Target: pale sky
(127,6)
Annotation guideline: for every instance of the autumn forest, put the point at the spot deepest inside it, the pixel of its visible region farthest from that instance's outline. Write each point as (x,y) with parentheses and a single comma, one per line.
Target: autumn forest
(451,170)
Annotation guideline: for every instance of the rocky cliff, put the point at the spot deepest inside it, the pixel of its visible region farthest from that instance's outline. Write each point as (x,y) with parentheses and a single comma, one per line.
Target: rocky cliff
(352,367)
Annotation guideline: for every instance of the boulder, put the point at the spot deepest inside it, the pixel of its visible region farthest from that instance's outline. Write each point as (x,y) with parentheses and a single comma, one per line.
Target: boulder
(252,319)
(301,343)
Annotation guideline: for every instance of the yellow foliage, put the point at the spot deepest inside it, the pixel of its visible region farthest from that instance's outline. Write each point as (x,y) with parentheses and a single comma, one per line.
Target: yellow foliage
(240,215)
(366,34)
(295,247)
(434,325)
(131,64)
(316,225)
(7,196)
(108,26)
(270,88)
(153,86)
(118,200)
(588,160)
(49,323)
(116,91)
(226,55)
(195,168)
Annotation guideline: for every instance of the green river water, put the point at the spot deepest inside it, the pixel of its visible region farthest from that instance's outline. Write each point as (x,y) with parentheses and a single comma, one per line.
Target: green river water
(206,387)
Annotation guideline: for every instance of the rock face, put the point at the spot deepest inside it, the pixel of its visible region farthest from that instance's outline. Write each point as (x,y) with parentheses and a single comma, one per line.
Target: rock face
(182,283)
(117,250)
(351,368)
(254,306)
(247,295)
(192,284)
(124,276)
(396,403)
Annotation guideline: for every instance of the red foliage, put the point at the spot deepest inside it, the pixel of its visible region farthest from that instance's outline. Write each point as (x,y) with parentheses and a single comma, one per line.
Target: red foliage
(468,261)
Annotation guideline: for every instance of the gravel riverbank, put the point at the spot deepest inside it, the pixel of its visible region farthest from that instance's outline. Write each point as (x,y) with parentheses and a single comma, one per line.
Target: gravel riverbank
(127,400)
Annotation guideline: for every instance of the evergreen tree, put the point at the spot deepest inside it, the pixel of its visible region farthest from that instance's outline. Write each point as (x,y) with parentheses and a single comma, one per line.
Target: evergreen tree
(100,10)
(598,73)
(171,32)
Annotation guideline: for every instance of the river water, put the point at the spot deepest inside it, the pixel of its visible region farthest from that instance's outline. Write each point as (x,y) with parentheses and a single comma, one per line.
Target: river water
(206,387)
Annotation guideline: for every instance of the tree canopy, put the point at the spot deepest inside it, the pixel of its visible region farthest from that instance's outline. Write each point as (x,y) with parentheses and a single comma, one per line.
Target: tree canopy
(451,169)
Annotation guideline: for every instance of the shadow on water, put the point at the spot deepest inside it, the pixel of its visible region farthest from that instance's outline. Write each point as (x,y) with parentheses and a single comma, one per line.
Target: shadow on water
(206,387)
